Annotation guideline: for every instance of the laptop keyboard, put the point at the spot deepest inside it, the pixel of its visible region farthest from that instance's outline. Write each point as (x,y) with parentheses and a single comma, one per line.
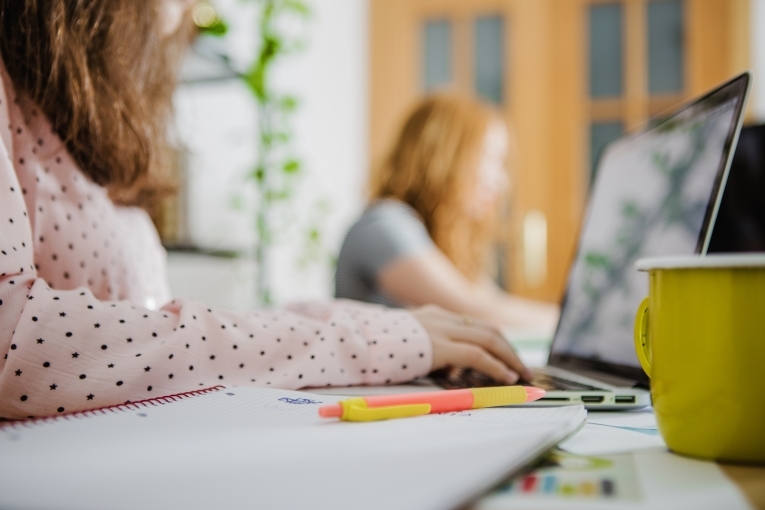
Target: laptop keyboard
(455,378)
(550,383)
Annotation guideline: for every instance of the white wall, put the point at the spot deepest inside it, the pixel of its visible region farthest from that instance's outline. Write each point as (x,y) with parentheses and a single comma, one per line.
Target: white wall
(217,123)
(332,132)
(758,58)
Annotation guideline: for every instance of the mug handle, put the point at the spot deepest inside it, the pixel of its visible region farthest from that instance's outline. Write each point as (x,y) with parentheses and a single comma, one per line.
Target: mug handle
(642,338)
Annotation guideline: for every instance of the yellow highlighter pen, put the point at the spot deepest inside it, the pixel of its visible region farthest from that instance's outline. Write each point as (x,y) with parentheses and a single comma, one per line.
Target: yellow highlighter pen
(385,407)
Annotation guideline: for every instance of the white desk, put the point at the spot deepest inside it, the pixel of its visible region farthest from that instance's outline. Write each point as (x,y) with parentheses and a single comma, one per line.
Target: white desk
(641,476)
(748,482)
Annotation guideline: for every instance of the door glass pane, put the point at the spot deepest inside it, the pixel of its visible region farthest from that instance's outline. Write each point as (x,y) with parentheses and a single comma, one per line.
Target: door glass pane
(437,35)
(600,134)
(606,50)
(489,58)
(665,46)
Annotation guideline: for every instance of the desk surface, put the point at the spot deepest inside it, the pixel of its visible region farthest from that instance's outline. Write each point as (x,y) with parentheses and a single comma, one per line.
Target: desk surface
(751,481)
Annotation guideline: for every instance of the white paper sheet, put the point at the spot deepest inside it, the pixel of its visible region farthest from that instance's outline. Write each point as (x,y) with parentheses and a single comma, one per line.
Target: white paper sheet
(256,448)
(637,419)
(596,439)
(418,386)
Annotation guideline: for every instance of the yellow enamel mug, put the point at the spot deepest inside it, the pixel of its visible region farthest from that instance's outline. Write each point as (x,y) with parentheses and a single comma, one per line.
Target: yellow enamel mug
(700,337)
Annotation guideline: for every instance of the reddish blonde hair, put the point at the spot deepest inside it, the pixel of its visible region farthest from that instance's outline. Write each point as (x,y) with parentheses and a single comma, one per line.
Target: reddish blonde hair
(433,168)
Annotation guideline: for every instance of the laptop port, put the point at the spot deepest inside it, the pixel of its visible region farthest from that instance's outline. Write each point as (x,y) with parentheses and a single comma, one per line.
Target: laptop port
(624,399)
(554,399)
(592,399)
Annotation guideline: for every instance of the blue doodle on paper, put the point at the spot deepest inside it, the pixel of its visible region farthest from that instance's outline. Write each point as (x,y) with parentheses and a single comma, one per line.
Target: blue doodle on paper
(298,401)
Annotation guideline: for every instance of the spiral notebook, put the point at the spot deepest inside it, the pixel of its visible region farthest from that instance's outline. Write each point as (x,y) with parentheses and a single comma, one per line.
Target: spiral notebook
(245,447)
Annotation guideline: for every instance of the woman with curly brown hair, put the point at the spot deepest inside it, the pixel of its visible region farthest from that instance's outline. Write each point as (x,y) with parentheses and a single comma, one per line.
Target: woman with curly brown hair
(433,217)
(86,318)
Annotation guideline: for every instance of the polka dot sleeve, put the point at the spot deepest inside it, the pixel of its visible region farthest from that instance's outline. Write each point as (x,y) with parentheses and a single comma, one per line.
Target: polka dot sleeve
(76,331)
(71,351)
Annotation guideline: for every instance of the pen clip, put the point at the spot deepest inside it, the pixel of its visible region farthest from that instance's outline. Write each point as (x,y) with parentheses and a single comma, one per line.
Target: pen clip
(356,409)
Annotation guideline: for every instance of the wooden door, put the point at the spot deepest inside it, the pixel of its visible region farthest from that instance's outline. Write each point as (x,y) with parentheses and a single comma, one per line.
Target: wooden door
(555,89)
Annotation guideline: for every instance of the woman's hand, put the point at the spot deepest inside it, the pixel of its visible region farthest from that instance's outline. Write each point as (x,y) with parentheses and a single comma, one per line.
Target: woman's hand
(461,341)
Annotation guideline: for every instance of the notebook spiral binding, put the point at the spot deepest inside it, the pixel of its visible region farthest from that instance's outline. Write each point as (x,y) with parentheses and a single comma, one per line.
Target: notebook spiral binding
(127,406)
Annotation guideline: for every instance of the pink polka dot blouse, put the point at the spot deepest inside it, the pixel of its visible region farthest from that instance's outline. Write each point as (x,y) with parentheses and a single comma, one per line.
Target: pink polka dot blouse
(82,289)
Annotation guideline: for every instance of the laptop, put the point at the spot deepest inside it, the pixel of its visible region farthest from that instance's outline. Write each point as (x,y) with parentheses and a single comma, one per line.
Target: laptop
(656,192)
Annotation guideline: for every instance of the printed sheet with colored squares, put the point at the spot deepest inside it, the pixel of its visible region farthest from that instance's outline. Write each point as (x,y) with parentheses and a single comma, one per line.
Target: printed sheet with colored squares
(579,476)
(647,479)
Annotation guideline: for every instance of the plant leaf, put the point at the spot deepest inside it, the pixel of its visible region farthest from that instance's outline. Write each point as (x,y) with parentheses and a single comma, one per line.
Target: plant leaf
(292,166)
(217,29)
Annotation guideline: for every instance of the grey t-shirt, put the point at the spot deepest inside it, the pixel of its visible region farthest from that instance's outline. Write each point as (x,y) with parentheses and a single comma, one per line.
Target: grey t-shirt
(388,230)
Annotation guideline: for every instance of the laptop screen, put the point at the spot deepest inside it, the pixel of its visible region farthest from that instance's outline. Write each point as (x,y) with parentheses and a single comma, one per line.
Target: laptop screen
(655,193)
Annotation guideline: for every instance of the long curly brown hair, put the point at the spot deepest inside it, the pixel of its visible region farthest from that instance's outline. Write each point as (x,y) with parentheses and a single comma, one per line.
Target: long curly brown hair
(104,75)
(433,168)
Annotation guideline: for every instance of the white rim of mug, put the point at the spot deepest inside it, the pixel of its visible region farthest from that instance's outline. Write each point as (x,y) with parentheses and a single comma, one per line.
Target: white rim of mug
(702,262)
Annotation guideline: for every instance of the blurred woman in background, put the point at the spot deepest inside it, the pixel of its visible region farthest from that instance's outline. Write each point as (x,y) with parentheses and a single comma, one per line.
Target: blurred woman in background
(434,217)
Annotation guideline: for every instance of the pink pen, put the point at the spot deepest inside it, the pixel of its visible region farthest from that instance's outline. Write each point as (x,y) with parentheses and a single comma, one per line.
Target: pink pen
(384,407)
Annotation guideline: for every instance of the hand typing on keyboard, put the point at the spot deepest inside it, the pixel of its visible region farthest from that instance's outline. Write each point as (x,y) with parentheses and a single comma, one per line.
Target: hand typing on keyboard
(456,377)
(470,343)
